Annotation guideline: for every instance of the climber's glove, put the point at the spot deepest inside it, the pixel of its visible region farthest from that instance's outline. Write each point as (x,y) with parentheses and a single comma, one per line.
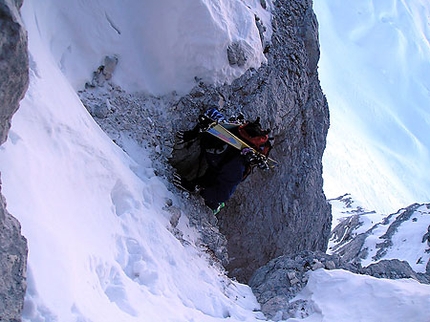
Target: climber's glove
(211,116)
(214,115)
(250,155)
(254,158)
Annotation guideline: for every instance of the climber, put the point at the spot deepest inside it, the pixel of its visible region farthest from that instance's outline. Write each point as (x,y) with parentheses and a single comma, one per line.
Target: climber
(227,166)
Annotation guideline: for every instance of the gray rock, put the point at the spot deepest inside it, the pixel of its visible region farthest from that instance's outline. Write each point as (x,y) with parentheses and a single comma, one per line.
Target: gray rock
(100,111)
(279,281)
(426,237)
(104,72)
(13,63)
(13,85)
(238,53)
(285,210)
(263,4)
(13,261)
(394,269)
(272,213)
(109,66)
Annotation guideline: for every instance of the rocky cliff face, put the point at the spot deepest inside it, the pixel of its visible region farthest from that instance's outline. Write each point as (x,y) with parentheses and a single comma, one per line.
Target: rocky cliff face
(283,211)
(14,63)
(273,213)
(13,84)
(13,261)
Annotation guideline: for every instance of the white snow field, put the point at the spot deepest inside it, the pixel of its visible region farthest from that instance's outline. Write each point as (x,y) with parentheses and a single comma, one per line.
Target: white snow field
(97,222)
(375,72)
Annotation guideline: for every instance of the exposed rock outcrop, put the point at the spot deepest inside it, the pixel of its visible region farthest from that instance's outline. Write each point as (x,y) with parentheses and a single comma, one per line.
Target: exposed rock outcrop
(273,213)
(13,262)
(148,121)
(283,211)
(14,63)
(277,283)
(353,246)
(13,84)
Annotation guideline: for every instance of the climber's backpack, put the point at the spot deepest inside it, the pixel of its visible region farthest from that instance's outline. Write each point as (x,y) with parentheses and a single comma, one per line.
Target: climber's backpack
(256,137)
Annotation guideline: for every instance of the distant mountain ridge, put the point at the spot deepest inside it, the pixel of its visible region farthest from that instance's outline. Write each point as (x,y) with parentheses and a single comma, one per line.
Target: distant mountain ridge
(405,235)
(364,242)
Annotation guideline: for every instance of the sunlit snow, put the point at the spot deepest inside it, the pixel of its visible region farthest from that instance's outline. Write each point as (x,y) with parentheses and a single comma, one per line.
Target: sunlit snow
(375,72)
(100,247)
(160,45)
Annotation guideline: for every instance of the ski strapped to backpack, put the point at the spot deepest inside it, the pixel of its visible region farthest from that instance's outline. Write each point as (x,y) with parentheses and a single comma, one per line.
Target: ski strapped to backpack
(221,132)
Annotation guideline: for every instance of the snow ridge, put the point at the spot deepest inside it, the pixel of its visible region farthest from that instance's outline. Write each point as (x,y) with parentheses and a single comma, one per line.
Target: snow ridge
(365,239)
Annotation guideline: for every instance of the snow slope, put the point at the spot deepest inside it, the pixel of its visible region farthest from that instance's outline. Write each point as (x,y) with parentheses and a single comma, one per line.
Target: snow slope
(403,235)
(407,240)
(341,296)
(374,70)
(101,246)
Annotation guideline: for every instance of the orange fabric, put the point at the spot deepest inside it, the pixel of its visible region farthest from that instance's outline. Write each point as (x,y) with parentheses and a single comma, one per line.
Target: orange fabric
(256,141)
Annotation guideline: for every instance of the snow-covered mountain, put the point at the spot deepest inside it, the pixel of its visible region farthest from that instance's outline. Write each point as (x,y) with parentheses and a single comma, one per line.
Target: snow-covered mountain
(109,242)
(374,70)
(366,237)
